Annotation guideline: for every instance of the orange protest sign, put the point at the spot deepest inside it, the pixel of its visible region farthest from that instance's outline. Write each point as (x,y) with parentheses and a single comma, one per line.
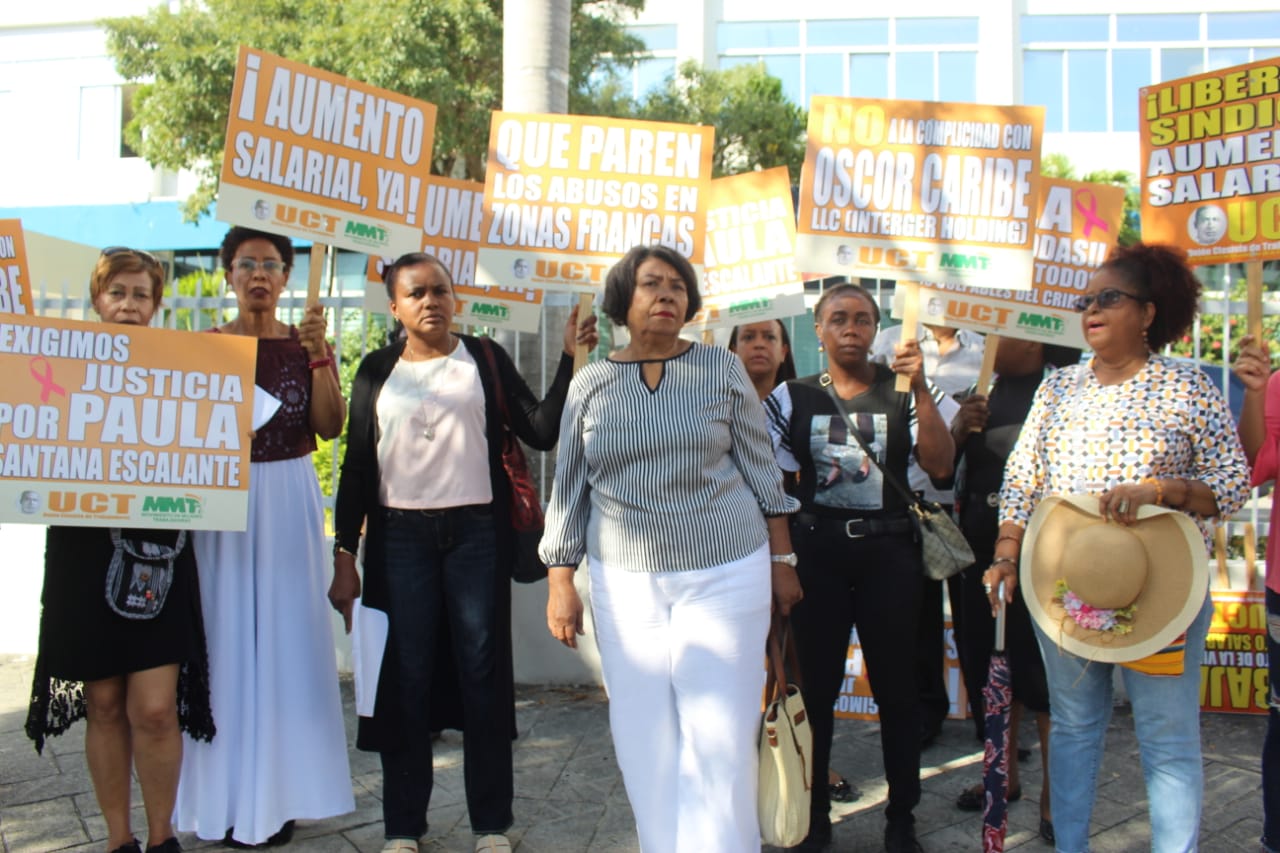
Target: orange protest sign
(315,155)
(921,191)
(750,273)
(15,274)
(118,426)
(1234,673)
(451,232)
(566,196)
(1211,164)
(1076,228)
(855,702)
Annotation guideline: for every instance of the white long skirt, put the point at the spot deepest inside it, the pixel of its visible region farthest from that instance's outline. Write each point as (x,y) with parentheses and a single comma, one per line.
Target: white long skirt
(280,752)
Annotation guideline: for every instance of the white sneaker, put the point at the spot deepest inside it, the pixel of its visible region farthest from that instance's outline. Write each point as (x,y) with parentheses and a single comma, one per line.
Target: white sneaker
(493,844)
(400,845)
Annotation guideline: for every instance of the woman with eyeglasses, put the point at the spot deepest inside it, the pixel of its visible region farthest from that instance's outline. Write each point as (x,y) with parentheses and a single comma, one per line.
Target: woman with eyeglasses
(859,560)
(281,751)
(1134,428)
(123,673)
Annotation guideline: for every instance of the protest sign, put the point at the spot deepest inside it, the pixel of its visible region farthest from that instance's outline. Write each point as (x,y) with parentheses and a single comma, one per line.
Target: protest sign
(107,425)
(15,274)
(855,701)
(451,233)
(1076,228)
(750,269)
(1211,163)
(1234,674)
(566,196)
(318,156)
(920,191)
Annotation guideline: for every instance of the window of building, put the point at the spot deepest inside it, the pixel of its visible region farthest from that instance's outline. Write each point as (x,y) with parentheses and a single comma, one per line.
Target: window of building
(869,75)
(1086,69)
(104,110)
(1064,28)
(868,32)
(753,35)
(936,30)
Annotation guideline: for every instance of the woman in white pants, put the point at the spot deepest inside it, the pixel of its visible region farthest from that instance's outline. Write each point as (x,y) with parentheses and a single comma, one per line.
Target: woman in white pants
(665,481)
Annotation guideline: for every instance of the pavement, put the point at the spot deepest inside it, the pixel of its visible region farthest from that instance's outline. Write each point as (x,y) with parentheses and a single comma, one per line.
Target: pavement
(570,797)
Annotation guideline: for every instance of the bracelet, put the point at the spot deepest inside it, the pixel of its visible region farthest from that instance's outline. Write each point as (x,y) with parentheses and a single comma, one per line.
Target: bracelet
(1008,538)
(1159,489)
(998,560)
(320,362)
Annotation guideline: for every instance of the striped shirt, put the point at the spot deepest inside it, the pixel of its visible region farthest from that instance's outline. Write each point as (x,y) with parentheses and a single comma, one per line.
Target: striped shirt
(676,478)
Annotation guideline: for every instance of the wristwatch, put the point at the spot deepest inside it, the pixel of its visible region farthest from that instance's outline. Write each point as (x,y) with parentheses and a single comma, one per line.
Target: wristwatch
(787,559)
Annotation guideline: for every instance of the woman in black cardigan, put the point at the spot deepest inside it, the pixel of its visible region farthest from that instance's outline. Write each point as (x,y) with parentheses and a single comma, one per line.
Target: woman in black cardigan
(422,474)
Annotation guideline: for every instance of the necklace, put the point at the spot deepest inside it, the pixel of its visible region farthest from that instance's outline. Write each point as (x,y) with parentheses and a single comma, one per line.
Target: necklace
(437,369)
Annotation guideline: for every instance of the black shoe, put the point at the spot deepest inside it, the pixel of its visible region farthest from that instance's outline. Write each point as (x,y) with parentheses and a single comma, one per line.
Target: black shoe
(132,847)
(1023,755)
(843,792)
(169,846)
(283,836)
(929,733)
(1046,831)
(900,837)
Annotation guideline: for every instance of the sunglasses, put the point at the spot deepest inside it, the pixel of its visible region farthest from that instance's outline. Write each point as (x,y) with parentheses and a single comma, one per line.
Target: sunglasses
(116,250)
(252,265)
(1109,298)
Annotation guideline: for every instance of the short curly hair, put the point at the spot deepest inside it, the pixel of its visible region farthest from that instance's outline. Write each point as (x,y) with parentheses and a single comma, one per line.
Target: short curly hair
(1159,274)
(238,236)
(412,259)
(620,283)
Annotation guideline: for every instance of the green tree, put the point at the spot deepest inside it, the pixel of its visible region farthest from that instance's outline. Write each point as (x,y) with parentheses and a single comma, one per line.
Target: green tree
(448,52)
(757,126)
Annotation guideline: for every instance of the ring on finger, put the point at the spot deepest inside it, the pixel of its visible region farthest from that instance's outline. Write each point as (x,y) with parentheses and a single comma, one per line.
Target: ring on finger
(987,587)
(1123,506)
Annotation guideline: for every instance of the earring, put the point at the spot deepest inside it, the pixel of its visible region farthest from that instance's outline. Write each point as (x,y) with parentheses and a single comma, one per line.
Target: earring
(821,348)
(1145,342)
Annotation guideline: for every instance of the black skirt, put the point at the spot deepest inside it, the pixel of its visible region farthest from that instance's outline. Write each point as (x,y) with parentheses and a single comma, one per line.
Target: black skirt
(83,639)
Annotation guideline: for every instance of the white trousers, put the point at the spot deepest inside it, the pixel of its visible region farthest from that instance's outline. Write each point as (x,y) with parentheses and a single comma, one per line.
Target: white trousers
(683,661)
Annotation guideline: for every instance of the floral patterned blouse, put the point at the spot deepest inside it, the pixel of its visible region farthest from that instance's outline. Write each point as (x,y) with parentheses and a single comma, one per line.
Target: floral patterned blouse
(1082,437)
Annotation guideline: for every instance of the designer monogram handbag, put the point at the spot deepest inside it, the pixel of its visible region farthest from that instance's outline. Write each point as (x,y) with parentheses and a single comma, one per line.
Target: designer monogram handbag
(786,749)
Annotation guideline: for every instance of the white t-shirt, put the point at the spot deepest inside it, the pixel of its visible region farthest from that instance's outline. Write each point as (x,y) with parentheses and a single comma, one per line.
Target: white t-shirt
(443,398)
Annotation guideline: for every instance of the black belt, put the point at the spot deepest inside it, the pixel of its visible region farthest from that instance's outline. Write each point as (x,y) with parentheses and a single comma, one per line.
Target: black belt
(856,528)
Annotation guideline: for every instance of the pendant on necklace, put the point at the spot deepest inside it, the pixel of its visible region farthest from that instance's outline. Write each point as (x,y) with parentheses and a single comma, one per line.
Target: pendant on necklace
(429,432)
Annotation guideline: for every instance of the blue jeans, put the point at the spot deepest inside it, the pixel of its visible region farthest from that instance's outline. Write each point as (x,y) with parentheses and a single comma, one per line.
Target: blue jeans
(441,565)
(1166,719)
(1271,746)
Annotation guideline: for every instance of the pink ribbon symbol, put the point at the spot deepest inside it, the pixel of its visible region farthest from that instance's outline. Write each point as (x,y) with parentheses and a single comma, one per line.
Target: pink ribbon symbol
(1091,217)
(47,385)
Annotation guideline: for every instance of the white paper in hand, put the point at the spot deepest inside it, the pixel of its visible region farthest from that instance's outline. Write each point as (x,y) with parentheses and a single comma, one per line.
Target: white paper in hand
(368,643)
(265,406)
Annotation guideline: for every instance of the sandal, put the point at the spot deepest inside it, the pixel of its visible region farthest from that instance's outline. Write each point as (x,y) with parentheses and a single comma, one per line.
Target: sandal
(843,792)
(493,844)
(975,799)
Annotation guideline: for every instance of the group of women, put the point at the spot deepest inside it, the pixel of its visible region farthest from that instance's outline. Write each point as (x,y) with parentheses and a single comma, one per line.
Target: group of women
(701,515)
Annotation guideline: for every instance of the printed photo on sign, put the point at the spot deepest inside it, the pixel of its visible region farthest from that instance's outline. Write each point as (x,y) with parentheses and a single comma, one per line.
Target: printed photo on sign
(1211,165)
(847,479)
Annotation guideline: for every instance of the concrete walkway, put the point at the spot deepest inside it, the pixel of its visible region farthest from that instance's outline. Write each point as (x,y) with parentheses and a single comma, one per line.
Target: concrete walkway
(570,795)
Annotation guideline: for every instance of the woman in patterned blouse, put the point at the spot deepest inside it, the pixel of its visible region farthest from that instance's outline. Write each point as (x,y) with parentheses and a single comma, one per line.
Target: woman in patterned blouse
(1132,427)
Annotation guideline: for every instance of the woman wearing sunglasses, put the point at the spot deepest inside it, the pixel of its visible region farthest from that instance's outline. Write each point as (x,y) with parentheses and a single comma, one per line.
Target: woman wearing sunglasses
(1131,427)
(281,751)
(123,672)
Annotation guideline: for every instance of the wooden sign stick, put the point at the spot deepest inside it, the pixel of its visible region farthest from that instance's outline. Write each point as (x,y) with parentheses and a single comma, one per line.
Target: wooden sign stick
(317,271)
(1253,279)
(580,351)
(910,311)
(988,367)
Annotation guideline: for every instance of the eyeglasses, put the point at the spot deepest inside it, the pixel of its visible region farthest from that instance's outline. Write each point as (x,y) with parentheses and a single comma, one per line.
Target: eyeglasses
(252,265)
(147,257)
(1108,298)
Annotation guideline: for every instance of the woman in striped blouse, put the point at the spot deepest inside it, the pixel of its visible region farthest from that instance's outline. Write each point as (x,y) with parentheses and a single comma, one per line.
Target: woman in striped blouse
(666,484)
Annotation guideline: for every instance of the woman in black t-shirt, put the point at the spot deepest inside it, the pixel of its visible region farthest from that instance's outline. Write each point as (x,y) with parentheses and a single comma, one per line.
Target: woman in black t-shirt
(858,558)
